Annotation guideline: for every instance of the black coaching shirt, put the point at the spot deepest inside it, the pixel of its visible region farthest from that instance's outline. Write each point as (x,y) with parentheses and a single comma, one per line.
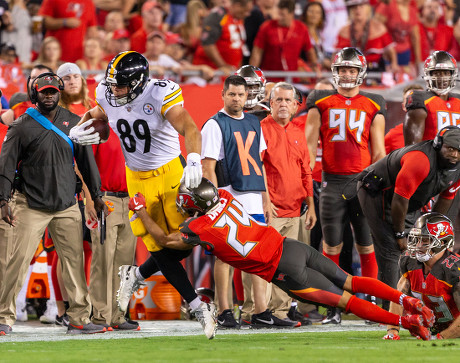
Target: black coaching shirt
(44,163)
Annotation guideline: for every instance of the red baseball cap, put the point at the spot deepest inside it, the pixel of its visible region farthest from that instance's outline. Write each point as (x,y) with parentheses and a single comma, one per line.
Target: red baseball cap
(120,34)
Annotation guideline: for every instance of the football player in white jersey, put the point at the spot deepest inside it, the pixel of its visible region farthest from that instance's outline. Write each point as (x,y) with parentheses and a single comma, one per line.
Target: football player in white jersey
(148,116)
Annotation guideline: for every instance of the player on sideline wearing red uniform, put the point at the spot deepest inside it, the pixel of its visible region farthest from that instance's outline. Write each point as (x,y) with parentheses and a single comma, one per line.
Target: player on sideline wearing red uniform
(431,272)
(223,227)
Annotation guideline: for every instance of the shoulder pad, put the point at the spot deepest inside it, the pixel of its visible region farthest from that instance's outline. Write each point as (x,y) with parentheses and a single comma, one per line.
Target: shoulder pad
(316,95)
(416,99)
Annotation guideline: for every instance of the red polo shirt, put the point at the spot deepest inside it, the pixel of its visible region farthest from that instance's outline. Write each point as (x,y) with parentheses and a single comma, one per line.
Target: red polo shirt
(287,163)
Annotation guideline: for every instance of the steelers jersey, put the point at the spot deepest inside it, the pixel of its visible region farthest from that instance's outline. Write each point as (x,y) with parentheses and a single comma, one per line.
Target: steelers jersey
(435,289)
(148,140)
(440,113)
(345,128)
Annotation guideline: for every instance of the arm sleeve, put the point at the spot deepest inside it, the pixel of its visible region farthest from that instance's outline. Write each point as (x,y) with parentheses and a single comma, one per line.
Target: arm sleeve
(172,97)
(414,170)
(11,149)
(415,100)
(311,100)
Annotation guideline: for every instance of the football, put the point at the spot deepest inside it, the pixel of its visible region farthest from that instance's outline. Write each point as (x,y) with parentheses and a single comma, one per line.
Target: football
(100,126)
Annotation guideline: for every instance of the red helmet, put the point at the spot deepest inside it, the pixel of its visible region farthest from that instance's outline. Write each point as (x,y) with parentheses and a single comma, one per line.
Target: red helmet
(432,233)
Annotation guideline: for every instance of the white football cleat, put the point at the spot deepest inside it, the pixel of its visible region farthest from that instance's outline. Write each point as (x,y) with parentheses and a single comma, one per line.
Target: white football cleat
(206,314)
(129,284)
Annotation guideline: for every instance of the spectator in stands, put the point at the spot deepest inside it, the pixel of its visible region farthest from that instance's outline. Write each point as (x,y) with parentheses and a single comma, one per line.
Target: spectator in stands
(125,7)
(70,21)
(394,139)
(75,96)
(20,35)
(279,43)
(8,54)
(262,10)
(369,36)
(336,18)
(401,22)
(93,57)
(50,53)
(117,42)
(152,20)
(190,31)
(159,62)
(114,21)
(314,18)
(434,35)
(222,40)
(33,7)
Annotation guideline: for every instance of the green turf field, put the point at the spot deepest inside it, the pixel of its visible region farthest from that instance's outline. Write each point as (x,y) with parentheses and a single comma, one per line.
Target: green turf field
(254,348)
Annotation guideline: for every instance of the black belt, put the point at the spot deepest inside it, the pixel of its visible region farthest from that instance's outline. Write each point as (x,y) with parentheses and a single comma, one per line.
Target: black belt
(116,194)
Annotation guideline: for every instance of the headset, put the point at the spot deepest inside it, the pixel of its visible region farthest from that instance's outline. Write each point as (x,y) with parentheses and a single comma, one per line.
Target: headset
(32,91)
(438,140)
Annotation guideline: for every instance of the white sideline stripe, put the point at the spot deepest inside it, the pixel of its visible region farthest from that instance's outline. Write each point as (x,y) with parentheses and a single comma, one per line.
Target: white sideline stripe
(35,331)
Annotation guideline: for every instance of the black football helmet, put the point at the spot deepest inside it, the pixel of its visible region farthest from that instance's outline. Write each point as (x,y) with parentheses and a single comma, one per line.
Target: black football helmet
(197,200)
(255,79)
(349,57)
(432,233)
(440,60)
(129,69)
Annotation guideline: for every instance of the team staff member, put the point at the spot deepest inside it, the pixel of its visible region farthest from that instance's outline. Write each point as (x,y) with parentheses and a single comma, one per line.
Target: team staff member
(351,125)
(402,183)
(46,198)
(431,273)
(148,115)
(289,180)
(295,267)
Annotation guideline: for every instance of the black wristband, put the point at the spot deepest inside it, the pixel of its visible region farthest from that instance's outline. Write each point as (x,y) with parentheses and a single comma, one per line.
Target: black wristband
(400,235)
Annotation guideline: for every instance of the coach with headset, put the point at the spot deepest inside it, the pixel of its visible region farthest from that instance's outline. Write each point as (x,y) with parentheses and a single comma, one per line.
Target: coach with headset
(393,190)
(37,160)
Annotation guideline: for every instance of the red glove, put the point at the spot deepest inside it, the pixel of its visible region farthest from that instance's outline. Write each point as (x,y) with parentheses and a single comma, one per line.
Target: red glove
(137,202)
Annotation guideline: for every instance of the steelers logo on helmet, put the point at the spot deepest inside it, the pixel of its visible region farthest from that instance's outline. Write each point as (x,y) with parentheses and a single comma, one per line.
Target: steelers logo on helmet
(255,79)
(432,233)
(127,69)
(440,72)
(349,57)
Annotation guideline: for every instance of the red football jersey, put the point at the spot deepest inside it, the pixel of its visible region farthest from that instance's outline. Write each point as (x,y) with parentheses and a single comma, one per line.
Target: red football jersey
(436,289)
(440,113)
(345,129)
(240,240)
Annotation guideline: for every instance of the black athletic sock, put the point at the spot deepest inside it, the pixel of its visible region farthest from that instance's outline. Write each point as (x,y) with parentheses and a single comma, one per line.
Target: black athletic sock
(169,263)
(149,267)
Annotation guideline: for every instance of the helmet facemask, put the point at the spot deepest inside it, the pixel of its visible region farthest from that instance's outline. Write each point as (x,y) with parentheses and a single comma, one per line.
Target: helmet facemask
(135,88)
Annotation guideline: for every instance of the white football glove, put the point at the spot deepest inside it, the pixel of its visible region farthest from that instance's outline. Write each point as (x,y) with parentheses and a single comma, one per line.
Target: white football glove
(192,172)
(81,136)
